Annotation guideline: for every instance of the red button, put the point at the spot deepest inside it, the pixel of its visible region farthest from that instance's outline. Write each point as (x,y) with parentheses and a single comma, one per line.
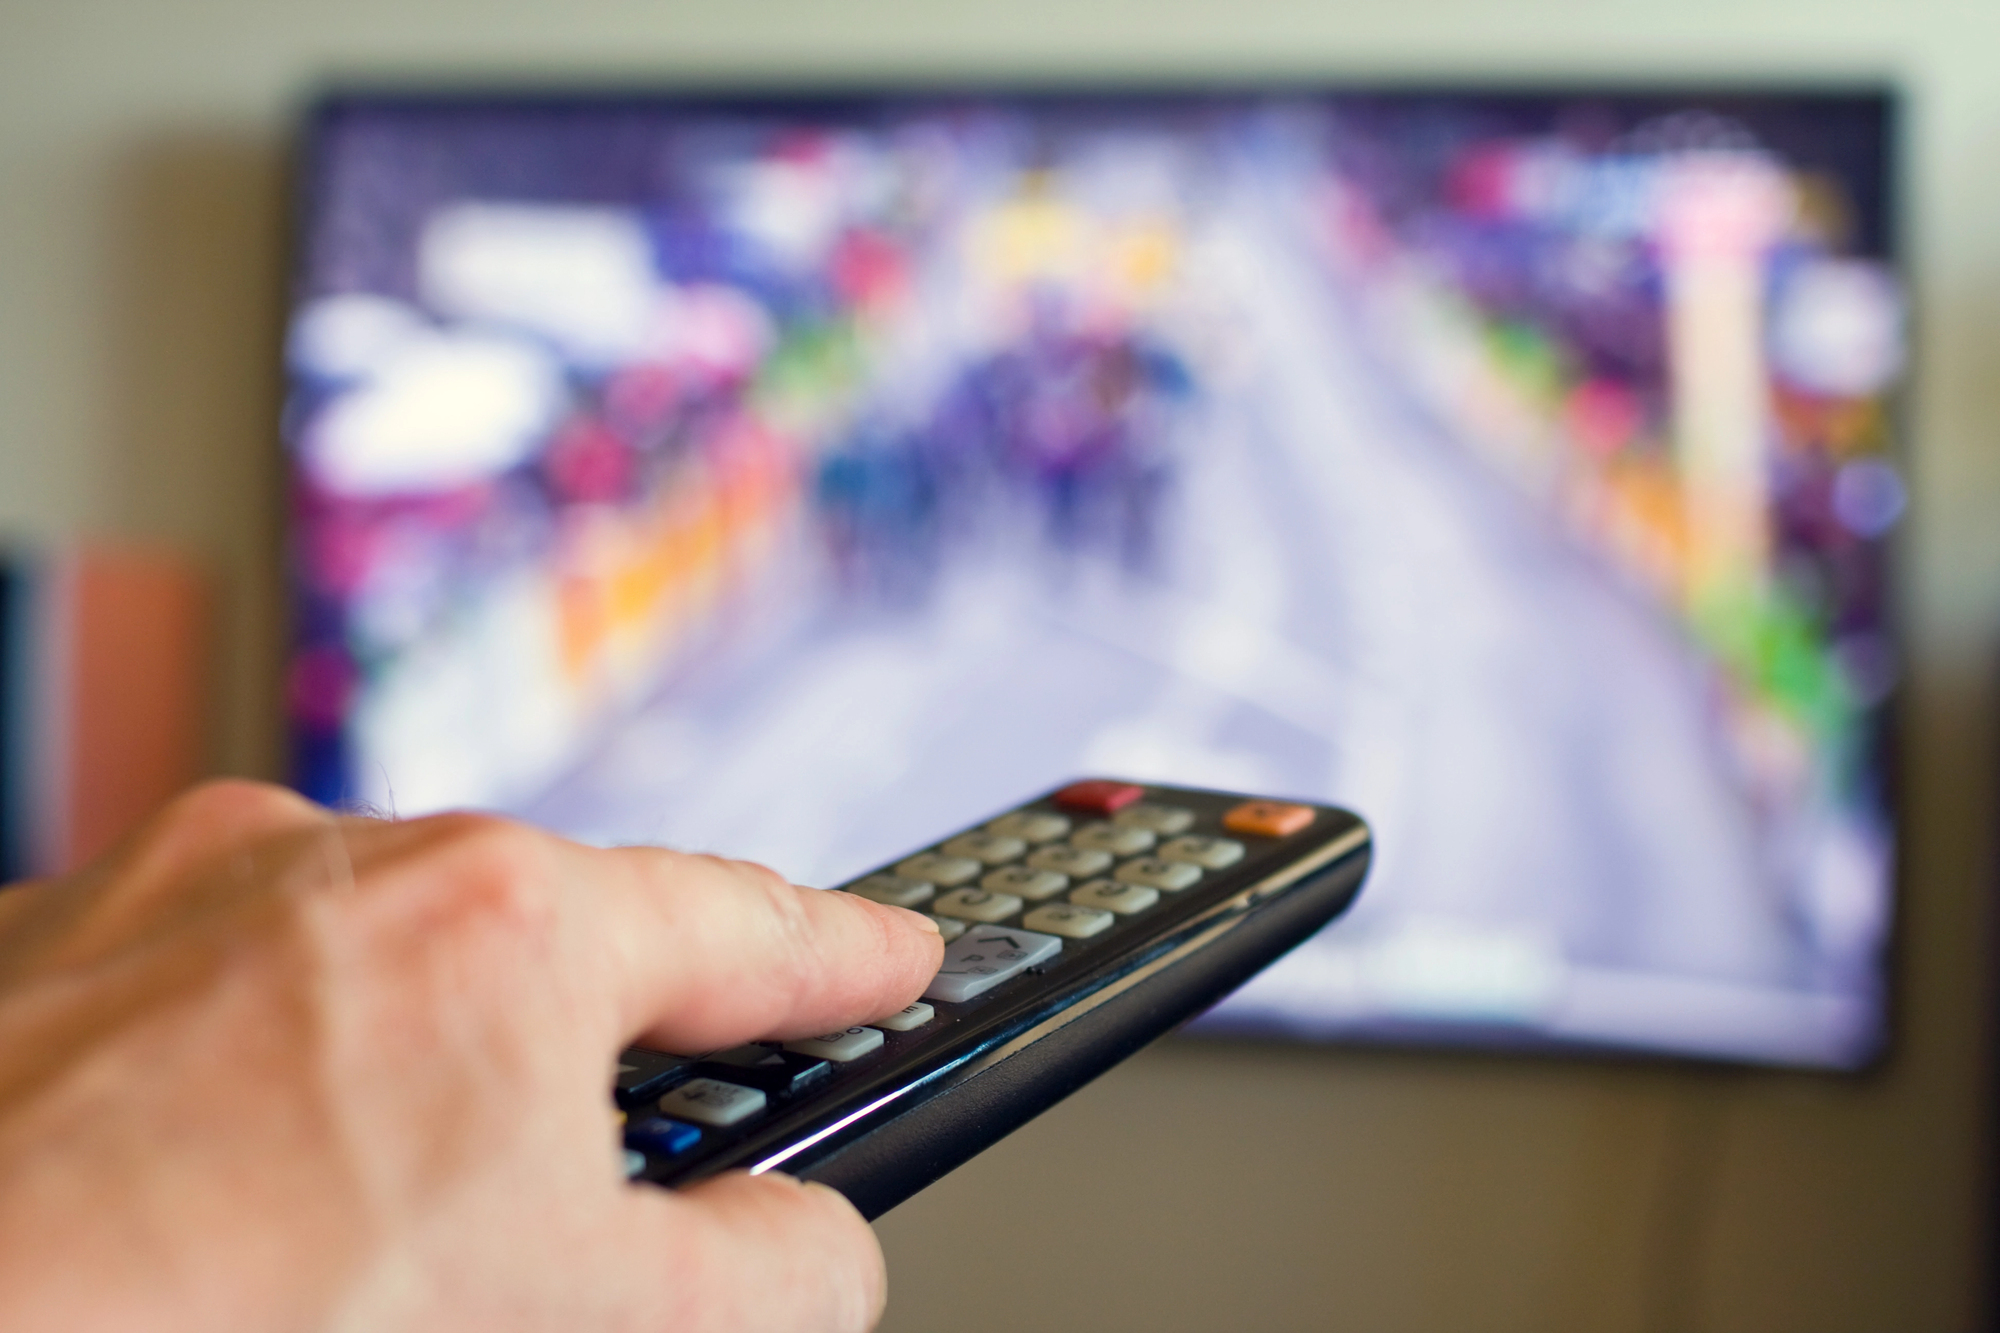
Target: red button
(1098,797)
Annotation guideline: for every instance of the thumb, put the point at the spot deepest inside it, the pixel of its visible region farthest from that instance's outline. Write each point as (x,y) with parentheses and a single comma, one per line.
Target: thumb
(760,1254)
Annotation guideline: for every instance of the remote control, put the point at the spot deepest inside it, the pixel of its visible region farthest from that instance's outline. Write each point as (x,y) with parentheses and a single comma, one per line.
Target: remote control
(1079,927)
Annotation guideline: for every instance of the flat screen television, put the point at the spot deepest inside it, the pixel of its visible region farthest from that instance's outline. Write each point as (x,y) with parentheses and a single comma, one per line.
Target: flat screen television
(802,477)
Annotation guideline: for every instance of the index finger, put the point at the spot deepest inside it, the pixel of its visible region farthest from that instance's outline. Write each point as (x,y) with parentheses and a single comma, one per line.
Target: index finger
(708,952)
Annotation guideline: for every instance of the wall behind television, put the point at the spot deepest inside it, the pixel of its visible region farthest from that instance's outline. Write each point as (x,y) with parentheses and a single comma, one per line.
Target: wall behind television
(141,218)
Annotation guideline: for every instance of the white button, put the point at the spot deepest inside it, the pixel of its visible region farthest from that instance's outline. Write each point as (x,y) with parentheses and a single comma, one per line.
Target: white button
(1165,820)
(1031,825)
(839,1047)
(909,1016)
(1110,838)
(1068,920)
(1025,882)
(945,871)
(1151,871)
(710,1101)
(983,958)
(977,905)
(1076,862)
(1214,853)
(947,927)
(895,890)
(1111,896)
(992,848)
(635,1162)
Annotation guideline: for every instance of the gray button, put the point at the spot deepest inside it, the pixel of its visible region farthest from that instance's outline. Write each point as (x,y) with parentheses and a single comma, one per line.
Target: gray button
(1076,862)
(992,848)
(710,1101)
(1213,853)
(1165,820)
(895,890)
(948,871)
(1025,882)
(1030,825)
(985,956)
(1069,920)
(1155,873)
(910,1016)
(1103,837)
(839,1047)
(1111,896)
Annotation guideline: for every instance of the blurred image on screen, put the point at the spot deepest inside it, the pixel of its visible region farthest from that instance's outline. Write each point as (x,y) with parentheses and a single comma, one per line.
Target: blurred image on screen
(806,478)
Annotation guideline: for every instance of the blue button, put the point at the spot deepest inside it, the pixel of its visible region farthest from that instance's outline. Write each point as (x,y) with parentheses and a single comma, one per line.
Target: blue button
(660,1136)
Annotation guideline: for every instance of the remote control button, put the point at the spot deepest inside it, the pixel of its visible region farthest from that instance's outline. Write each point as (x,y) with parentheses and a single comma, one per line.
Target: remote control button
(660,1136)
(1111,838)
(635,1162)
(1030,826)
(1111,896)
(1165,820)
(1025,882)
(1154,873)
(1068,920)
(895,890)
(1268,819)
(943,871)
(908,1018)
(1209,853)
(1098,798)
(644,1075)
(977,905)
(1076,862)
(981,959)
(948,927)
(839,1047)
(993,848)
(710,1101)
(777,1072)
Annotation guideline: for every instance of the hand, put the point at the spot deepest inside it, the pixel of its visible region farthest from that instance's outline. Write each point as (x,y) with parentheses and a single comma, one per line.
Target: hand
(268,1068)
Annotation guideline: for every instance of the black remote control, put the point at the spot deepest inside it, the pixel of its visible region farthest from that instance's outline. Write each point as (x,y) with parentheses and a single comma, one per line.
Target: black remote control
(1078,927)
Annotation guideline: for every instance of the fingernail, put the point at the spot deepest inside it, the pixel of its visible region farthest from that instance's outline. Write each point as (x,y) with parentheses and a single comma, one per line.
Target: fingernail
(923,919)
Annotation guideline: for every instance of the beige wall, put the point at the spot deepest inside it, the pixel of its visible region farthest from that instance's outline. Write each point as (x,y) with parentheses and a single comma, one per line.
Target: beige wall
(1198,1188)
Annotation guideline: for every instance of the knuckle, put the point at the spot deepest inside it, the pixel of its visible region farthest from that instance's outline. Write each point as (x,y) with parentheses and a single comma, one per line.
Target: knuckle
(488,869)
(235,802)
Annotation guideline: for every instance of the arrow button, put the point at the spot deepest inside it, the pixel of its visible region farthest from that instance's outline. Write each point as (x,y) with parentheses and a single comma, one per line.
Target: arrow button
(979,960)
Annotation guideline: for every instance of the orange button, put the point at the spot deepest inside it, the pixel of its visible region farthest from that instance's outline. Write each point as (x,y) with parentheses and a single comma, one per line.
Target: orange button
(1098,797)
(1268,819)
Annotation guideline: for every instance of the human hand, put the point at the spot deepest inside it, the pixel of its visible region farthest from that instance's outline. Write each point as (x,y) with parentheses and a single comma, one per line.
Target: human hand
(265,1067)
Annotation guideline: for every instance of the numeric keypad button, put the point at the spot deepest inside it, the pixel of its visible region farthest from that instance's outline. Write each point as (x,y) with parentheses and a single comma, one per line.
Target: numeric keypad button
(993,849)
(944,871)
(1208,853)
(1030,826)
(1155,873)
(1069,920)
(1076,862)
(977,905)
(1025,882)
(949,927)
(895,890)
(1105,837)
(1110,896)
(910,1017)
(1165,820)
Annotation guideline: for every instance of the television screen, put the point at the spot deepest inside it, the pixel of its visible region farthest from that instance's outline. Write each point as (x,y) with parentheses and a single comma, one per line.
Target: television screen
(805,477)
